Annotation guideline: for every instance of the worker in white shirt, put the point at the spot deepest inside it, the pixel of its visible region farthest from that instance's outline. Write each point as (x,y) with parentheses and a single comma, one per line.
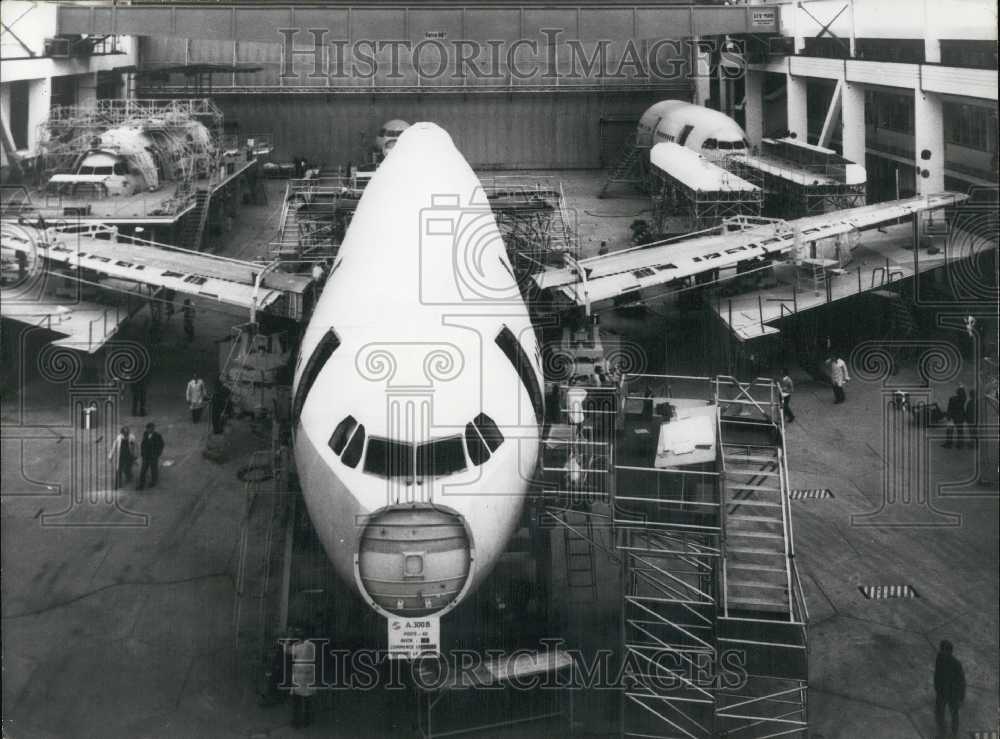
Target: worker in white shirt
(839,378)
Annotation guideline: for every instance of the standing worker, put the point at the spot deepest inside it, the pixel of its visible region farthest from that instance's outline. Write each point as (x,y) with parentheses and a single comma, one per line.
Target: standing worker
(189,319)
(219,406)
(150,448)
(839,378)
(786,387)
(123,453)
(956,418)
(303,653)
(971,419)
(949,687)
(138,389)
(196,396)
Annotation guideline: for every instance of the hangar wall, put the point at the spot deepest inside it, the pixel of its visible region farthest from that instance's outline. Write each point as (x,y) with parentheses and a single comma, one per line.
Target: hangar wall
(526,131)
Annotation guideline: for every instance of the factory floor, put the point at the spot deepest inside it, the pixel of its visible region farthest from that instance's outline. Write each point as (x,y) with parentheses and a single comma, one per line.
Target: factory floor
(129,631)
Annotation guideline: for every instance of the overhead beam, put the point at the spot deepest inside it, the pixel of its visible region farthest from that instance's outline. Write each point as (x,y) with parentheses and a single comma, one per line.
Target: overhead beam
(351,21)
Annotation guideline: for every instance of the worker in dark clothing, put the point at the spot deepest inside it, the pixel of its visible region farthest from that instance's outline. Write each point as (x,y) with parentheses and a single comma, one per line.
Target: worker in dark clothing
(949,687)
(956,418)
(219,406)
(150,449)
(138,389)
(972,418)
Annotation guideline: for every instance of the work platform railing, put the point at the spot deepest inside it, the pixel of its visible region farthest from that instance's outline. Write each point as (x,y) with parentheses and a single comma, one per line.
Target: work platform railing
(693,588)
(703,535)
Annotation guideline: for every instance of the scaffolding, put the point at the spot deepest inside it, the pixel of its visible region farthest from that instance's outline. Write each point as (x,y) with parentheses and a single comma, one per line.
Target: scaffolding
(713,615)
(802,180)
(173,142)
(315,214)
(689,193)
(531,214)
(708,563)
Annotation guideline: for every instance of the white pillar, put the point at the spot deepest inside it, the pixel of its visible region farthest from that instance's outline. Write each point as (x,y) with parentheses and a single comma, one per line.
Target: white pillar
(701,63)
(932,40)
(754,106)
(795,94)
(852,117)
(928,139)
(723,90)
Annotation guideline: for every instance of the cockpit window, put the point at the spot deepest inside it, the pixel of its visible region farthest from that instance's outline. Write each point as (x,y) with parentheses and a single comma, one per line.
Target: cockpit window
(389,458)
(710,144)
(326,347)
(478,452)
(512,348)
(121,168)
(725,145)
(489,430)
(440,457)
(352,454)
(338,440)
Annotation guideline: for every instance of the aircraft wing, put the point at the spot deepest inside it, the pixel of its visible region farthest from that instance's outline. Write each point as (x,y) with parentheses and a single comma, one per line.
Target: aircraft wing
(614,275)
(224,280)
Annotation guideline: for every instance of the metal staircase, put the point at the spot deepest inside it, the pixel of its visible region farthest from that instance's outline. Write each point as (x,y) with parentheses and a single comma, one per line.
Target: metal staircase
(196,220)
(627,170)
(708,564)
(756,571)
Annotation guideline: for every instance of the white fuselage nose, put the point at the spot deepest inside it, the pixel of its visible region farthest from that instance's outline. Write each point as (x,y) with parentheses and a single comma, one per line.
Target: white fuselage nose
(418,387)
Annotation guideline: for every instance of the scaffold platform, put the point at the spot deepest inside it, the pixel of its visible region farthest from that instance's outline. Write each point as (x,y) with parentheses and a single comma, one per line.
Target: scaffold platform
(877,259)
(692,193)
(802,179)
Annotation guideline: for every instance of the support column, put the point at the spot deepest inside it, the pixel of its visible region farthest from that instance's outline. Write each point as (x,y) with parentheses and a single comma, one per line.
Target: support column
(852,117)
(928,140)
(723,90)
(932,42)
(754,106)
(701,63)
(795,94)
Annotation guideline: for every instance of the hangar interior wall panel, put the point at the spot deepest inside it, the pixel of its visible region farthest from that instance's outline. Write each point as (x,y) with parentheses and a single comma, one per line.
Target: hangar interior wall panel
(530,131)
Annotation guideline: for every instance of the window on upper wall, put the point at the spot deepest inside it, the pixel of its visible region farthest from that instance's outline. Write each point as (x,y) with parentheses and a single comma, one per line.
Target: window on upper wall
(19,106)
(970,126)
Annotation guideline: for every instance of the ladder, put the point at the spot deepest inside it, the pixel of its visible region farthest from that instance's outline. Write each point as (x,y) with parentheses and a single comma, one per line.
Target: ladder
(581,568)
(625,172)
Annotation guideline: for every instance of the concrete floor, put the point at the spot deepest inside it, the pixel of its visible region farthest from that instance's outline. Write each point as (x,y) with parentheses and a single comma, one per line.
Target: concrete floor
(129,632)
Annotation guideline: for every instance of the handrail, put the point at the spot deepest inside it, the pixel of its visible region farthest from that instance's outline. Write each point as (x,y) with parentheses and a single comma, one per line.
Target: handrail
(786,514)
(722,509)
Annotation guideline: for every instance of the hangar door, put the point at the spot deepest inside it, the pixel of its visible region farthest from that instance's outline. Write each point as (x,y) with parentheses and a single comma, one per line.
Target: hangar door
(523,131)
